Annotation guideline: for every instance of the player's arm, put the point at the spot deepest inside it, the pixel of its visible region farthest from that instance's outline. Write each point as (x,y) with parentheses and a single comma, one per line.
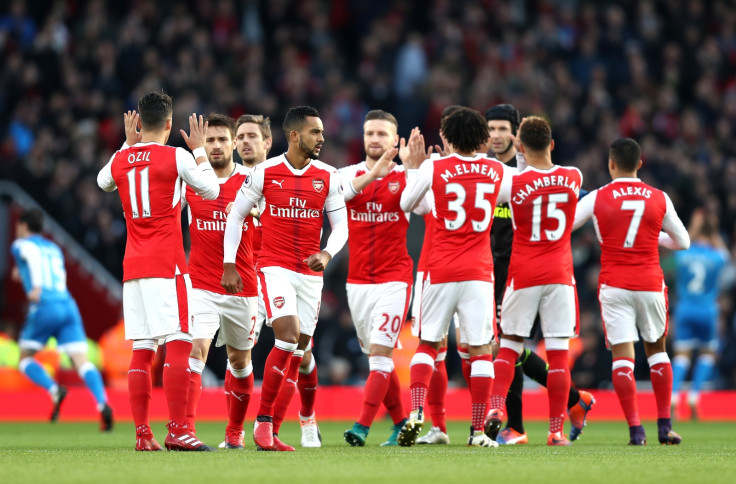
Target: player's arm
(674,235)
(31,256)
(337,214)
(195,168)
(504,191)
(248,195)
(418,183)
(584,210)
(380,169)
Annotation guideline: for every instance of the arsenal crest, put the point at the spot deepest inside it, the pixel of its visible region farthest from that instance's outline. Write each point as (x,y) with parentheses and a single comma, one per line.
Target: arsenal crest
(394,186)
(318,184)
(278,302)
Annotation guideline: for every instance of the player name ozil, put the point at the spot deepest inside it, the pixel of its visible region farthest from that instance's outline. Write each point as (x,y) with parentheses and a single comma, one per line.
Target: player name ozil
(464,168)
(545,182)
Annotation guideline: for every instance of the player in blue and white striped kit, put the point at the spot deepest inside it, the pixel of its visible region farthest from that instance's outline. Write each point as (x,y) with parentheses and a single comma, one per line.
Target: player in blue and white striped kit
(53,312)
(699,273)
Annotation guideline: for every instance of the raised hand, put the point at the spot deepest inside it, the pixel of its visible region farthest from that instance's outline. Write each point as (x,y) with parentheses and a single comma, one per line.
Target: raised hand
(404,147)
(197,132)
(385,163)
(132,133)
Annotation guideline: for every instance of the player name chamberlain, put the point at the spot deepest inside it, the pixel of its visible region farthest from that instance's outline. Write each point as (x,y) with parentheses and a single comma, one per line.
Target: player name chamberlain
(374,216)
(545,182)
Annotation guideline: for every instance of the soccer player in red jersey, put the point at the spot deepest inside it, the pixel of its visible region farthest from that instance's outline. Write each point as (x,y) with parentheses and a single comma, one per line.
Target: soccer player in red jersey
(297,189)
(503,124)
(156,282)
(543,200)
(379,276)
(629,217)
(253,142)
(465,186)
(211,307)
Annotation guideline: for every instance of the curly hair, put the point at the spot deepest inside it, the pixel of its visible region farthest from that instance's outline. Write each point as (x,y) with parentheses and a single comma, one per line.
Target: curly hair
(466,130)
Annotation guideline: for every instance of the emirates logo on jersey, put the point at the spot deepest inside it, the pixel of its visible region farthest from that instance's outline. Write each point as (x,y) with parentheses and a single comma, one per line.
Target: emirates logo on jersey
(279,302)
(394,186)
(318,184)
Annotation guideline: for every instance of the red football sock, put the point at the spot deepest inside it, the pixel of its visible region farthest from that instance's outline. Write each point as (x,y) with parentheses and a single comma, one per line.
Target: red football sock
(503,367)
(176,379)
(465,365)
(436,395)
(307,386)
(240,390)
(392,400)
(228,376)
(139,385)
(373,394)
(195,391)
(287,390)
(661,376)
(278,359)
(421,369)
(625,387)
(558,388)
(480,391)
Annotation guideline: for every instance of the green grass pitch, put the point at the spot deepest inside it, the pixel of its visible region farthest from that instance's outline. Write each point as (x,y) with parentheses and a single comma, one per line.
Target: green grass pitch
(77,452)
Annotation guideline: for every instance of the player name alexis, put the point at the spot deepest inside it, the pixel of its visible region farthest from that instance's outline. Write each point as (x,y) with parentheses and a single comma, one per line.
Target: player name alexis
(638,191)
(545,182)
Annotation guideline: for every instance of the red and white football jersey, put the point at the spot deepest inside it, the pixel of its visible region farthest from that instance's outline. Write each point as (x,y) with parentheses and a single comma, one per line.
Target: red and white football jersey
(378,226)
(207,219)
(628,216)
(465,190)
(542,212)
(147,176)
(426,243)
(293,213)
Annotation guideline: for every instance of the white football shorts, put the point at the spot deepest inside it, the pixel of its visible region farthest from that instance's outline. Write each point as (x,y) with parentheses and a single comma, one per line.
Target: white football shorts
(624,311)
(234,316)
(416,307)
(289,293)
(557,305)
(155,307)
(472,301)
(378,312)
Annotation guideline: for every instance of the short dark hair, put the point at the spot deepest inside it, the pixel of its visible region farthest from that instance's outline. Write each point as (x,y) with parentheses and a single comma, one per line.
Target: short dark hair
(296,117)
(154,109)
(381,115)
(466,130)
(504,112)
(446,113)
(33,218)
(626,153)
(263,122)
(535,133)
(214,120)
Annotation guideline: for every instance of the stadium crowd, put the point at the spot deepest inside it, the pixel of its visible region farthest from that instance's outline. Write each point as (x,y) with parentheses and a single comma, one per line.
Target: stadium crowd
(662,72)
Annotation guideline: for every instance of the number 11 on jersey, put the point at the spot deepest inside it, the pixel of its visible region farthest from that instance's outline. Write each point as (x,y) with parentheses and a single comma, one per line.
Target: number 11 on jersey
(145,199)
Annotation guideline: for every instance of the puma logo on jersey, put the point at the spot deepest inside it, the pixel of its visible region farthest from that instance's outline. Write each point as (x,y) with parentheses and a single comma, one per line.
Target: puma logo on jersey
(627,375)
(279,183)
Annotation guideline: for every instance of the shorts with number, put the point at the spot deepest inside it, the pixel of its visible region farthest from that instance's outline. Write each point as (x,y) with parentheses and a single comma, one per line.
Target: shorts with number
(155,307)
(60,319)
(473,303)
(378,312)
(289,293)
(234,316)
(416,307)
(624,311)
(556,304)
(696,326)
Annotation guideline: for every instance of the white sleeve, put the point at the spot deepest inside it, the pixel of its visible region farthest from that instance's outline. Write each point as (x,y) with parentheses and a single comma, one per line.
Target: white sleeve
(418,182)
(104,177)
(520,162)
(201,178)
(183,194)
(347,174)
(251,191)
(339,235)
(584,209)
(29,252)
(675,236)
(335,197)
(504,192)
